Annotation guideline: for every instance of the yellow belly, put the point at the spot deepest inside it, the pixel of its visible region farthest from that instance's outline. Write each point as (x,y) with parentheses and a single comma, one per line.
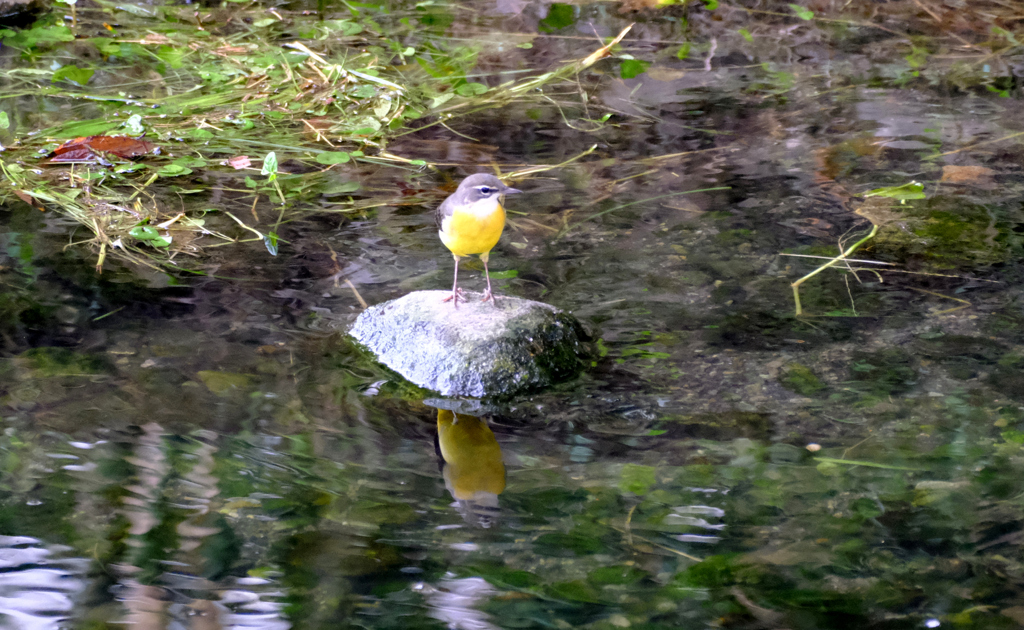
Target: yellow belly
(466,233)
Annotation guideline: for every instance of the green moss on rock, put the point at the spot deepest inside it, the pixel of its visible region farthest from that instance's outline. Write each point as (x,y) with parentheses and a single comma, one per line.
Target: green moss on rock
(800,379)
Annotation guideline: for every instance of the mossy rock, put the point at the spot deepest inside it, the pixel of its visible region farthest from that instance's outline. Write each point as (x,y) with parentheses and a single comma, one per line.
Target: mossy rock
(800,379)
(48,361)
(1008,376)
(884,373)
(948,232)
(480,349)
(963,356)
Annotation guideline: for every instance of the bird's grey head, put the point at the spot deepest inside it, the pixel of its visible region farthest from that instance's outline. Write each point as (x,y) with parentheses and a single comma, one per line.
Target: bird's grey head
(482,186)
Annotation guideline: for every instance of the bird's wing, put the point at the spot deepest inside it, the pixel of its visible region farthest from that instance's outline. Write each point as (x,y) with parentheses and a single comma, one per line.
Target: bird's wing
(444,211)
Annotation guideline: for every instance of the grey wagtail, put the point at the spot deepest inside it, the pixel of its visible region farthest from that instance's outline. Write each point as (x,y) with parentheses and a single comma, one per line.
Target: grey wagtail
(470,222)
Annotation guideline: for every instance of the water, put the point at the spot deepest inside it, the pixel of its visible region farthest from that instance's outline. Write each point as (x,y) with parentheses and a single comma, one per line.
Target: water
(211,451)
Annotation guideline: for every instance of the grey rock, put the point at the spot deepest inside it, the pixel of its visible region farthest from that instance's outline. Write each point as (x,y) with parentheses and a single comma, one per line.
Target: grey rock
(18,13)
(481,349)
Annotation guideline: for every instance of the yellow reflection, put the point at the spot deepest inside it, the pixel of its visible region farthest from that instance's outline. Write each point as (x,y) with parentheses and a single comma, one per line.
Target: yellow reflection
(473,471)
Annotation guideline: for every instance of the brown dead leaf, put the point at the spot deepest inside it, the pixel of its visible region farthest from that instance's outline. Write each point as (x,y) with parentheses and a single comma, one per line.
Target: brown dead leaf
(818,228)
(155,39)
(94,148)
(879,211)
(230,51)
(638,5)
(29,199)
(967,175)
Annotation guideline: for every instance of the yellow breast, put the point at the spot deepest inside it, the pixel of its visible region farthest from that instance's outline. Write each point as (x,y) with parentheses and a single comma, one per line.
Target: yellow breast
(474,228)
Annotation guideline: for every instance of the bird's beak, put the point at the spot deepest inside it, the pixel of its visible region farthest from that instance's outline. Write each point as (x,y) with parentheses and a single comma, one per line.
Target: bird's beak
(511,191)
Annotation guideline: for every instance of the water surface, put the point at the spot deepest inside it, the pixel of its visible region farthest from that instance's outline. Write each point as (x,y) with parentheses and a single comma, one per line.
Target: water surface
(210,450)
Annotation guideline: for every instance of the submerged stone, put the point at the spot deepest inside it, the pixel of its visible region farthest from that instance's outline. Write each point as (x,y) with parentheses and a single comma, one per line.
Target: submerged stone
(19,13)
(480,349)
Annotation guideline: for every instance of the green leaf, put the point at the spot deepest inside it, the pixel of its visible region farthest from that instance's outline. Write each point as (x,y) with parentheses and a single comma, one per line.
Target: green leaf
(801,12)
(190,161)
(746,34)
(140,11)
(364,91)
(341,188)
(504,275)
(913,190)
(333,157)
(381,109)
(173,56)
(134,125)
(173,170)
(143,233)
(347,28)
(150,235)
(525,45)
(1013,437)
(559,16)
(471,89)
(5,121)
(270,241)
(684,51)
(85,128)
(270,165)
(711,5)
(36,37)
(631,68)
(441,99)
(74,74)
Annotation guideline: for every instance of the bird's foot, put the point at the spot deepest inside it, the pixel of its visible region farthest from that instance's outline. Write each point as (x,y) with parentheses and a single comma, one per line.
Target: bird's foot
(489,296)
(454,298)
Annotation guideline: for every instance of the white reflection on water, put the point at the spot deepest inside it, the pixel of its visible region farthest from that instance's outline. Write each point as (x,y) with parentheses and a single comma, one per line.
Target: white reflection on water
(37,586)
(453,602)
(684,515)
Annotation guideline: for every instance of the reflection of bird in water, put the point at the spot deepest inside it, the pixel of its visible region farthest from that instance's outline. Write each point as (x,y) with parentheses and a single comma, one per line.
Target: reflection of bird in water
(473,471)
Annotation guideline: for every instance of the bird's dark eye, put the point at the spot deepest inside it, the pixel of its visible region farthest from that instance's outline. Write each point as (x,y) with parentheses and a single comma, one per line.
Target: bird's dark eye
(486,190)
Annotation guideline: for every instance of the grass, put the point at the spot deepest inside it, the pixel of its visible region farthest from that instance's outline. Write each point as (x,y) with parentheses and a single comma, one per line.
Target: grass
(275,106)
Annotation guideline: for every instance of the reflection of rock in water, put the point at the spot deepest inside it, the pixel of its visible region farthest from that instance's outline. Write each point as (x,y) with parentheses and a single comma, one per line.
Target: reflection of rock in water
(473,471)
(37,586)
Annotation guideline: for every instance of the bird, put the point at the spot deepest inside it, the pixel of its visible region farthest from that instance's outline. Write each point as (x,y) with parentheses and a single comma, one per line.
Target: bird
(470,221)
(473,470)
